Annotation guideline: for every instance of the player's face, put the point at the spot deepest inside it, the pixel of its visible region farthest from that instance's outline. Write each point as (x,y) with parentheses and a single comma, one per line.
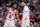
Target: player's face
(14,6)
(22,3)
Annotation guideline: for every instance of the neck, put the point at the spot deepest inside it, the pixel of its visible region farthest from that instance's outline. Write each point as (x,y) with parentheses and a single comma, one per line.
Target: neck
(13,9)
(24,5)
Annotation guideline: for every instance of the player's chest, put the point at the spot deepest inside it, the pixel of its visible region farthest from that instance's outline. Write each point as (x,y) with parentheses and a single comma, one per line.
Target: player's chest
(11,12)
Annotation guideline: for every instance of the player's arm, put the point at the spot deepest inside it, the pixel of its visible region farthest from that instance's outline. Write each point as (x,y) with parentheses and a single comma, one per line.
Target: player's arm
(17,16)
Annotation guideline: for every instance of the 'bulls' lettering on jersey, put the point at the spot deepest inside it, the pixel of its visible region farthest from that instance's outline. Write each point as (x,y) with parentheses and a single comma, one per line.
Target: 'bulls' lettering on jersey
(9,12)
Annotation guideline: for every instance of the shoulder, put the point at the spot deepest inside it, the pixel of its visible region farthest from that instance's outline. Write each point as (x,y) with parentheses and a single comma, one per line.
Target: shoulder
(9,9)
(26,8)
(16,11)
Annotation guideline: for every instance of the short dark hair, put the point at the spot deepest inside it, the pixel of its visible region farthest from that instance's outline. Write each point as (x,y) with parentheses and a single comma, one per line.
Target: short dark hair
(14,3)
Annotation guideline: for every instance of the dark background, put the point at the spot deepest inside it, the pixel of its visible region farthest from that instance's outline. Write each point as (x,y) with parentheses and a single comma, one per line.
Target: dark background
(34,6)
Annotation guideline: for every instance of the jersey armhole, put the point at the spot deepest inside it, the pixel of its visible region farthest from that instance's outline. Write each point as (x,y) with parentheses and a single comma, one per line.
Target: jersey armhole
(16,11)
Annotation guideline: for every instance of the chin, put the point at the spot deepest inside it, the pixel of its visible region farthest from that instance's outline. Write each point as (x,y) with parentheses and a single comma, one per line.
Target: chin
(15,8)
(22,5)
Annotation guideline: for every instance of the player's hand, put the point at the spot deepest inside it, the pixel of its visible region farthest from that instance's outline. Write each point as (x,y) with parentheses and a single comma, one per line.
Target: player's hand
(20,22)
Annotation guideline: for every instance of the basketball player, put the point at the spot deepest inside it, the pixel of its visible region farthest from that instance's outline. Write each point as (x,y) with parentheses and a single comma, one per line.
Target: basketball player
(10,16)
(25,18)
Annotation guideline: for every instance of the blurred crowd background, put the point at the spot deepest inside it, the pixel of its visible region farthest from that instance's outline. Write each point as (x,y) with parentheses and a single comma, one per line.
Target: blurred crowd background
(34,6)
